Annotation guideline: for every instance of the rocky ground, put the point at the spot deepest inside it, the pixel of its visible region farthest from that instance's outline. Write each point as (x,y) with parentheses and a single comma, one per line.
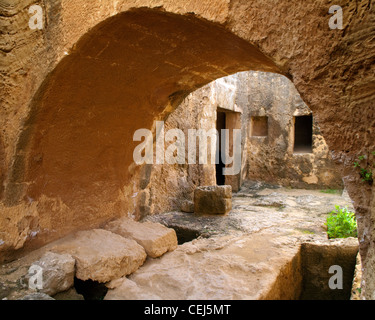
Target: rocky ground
(260,207)
(260,250)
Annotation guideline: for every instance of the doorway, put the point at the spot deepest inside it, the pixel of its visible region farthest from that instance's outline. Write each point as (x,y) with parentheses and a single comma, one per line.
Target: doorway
(303,133)
(227,119)
(220,125)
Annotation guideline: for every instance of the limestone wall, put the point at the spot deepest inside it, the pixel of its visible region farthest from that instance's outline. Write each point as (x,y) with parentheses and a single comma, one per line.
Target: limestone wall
(272,157)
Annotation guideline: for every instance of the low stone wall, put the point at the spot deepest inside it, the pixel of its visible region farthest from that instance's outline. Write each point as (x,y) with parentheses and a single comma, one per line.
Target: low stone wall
(318,258)
(306,276)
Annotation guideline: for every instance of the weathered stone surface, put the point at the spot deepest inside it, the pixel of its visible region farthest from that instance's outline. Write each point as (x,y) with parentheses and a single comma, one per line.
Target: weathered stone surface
(275,260)
(255,245)
(70,294)
(102,255)
(143,205)
(320,256)
(357,285)
(37,296)
(244,267)
(145,176)
(155,238)
(58,272)
(187,206)
(125,289)
(213,200)
(271,157)
(333,71)
(259,206)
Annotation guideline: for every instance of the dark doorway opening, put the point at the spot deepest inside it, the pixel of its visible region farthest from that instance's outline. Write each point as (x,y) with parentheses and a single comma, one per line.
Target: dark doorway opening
(220,125)
(303,132)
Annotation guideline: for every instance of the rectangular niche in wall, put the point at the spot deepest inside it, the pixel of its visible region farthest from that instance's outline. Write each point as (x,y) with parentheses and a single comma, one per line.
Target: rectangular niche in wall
(303,132)
(259,127)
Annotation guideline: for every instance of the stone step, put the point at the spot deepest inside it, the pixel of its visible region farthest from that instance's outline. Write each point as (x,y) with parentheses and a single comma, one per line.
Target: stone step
(155,238)
(102,255)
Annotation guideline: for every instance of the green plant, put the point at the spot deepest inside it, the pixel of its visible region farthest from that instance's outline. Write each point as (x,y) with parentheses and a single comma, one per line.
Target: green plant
(341,223)
(365,165)
(331,191)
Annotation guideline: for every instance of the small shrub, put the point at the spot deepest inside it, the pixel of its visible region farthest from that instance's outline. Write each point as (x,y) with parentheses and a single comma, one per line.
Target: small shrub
(341,223)
(365,165)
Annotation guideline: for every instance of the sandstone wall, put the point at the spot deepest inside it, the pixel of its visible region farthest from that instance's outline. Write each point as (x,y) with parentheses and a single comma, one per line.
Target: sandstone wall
(272,158)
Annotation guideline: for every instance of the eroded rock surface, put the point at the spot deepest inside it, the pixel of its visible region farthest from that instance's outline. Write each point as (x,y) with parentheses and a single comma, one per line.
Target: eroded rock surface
(213,200)
(254,252)
(58,272)
(102,255)
(257,251)
(37,296)
(155,238)
(216,268)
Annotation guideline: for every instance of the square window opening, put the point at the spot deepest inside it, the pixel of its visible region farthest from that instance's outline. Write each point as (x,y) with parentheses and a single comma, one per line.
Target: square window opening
(259,127)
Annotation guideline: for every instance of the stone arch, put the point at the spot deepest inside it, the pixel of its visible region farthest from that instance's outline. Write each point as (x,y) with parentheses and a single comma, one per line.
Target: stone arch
(76,151)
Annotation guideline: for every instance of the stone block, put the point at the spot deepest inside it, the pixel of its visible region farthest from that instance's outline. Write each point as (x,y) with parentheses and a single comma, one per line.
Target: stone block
(213,200)
(57,272)
(102,255)
(155,238)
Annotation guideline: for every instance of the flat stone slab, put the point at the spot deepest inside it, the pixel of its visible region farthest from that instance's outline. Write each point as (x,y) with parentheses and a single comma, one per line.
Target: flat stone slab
(213,200)
(102,255)
(219,268)
(155,238)
(259,266)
